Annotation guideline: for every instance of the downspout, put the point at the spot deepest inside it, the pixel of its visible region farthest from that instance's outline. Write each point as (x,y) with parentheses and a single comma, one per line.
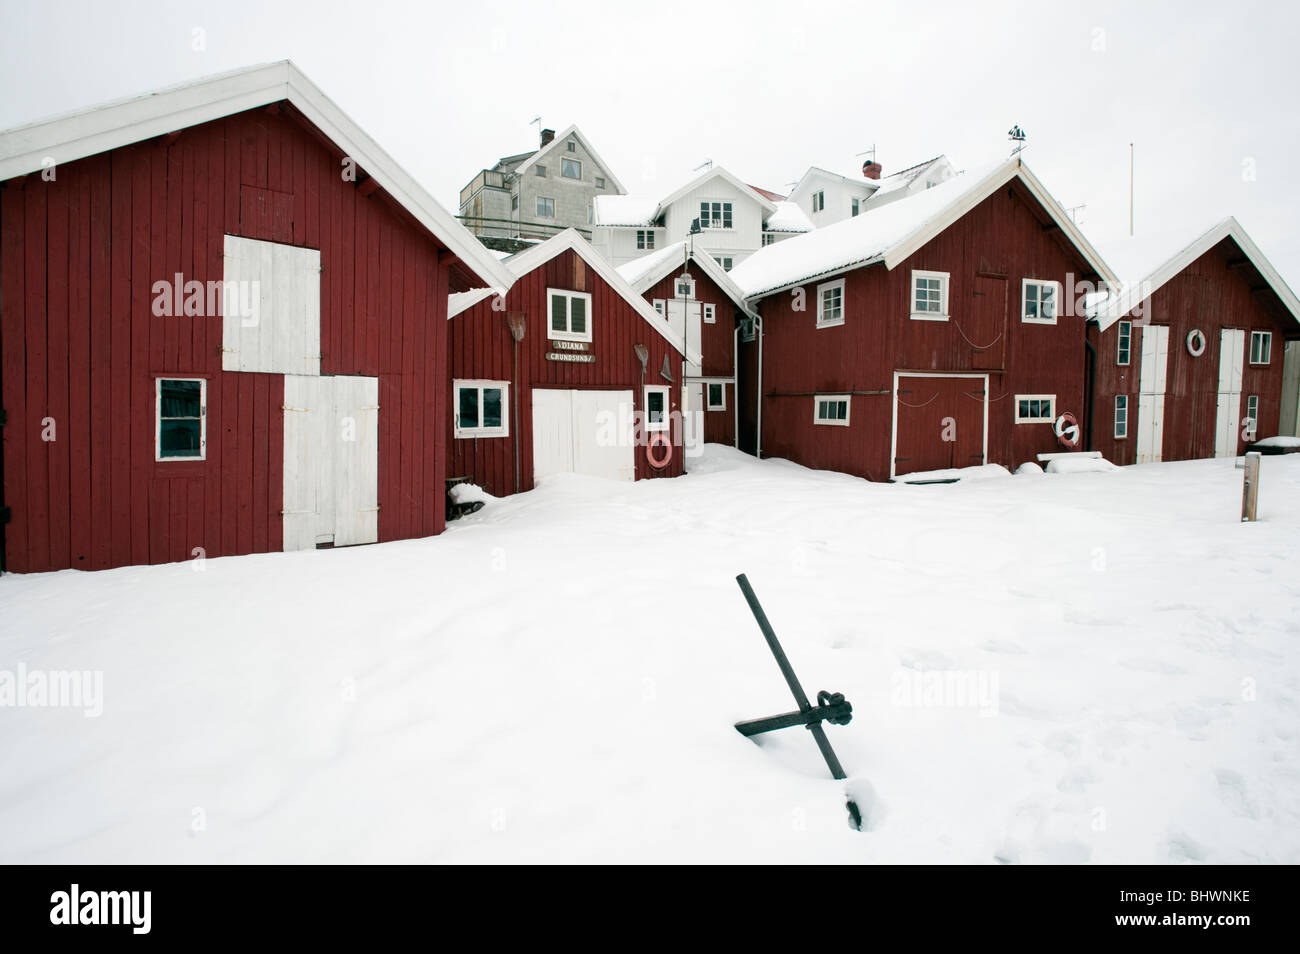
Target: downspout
(1092,388)
(735,390)
(758,435)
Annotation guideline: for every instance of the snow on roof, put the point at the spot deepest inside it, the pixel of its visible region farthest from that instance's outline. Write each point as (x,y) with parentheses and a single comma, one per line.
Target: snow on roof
(788,217)
(894,231)
(639,210)
(855,241)
(639,268)
(643,272)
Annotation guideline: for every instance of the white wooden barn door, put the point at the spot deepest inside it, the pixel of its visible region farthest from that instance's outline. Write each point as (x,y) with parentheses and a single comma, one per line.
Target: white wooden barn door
(1151,393)
(576,432)
(331,461)
(1232,352)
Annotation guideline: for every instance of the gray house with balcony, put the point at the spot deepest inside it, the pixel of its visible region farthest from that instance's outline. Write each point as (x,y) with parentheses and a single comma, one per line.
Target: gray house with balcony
(534,195)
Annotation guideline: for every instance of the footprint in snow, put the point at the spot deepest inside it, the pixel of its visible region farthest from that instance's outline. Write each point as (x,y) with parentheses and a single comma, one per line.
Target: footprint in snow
(1181,847)
(924,659)
(1003,646)
(1148,664)
(1232,788)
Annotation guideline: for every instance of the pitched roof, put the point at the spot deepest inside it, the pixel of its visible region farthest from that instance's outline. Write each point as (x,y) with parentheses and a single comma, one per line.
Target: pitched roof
(788,217)
(91,131)
(546,150)
(533,258)
(768,194)
(641,211)
(1147,264)
(891,233)
(641,273)
(717,172)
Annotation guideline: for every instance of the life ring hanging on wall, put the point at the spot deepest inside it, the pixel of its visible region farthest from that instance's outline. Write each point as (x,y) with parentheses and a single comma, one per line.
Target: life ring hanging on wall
(1067,430)
(1196,342)
(658,439)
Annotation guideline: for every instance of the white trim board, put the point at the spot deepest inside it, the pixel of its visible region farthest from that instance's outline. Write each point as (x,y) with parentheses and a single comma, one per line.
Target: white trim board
(121,123)
(670,264)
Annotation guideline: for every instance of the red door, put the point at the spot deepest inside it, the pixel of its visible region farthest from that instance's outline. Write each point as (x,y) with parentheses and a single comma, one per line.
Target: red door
(939,424)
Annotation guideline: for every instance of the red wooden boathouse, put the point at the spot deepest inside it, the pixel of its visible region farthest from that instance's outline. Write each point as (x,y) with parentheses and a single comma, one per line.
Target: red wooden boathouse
(222,323)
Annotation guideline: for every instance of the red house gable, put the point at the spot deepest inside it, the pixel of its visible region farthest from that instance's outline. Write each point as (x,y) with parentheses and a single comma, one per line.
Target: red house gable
(591,375)
(96,326)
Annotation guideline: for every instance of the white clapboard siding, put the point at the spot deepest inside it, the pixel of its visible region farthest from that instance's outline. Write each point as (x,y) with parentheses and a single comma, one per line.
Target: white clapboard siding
(331,461)
(1232,354)
(285,282)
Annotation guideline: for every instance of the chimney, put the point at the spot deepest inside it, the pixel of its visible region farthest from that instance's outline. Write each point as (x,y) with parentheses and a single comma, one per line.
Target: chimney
(548,135)
(871,169)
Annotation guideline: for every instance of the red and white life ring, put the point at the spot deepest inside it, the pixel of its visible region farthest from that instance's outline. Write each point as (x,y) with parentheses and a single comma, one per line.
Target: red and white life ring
(658,439)
(1067,430)
(1196,342)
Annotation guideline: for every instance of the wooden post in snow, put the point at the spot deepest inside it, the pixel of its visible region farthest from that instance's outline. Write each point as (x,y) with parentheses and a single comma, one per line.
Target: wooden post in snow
(1250,487)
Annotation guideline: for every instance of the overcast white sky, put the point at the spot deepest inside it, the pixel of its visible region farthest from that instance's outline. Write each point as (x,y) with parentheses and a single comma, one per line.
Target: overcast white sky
(1208,91)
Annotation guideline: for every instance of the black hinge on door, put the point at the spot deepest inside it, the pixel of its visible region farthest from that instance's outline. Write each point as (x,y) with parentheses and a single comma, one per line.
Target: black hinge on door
(899,460)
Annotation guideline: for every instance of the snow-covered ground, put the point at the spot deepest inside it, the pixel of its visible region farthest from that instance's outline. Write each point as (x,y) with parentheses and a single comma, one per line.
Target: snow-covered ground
(1096,667)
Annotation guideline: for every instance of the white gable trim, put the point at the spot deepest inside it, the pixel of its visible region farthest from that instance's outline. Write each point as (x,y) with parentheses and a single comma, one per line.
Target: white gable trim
(532,258)
(101,128)
(709,176)
(591,151)
(707,265)
(1130,298)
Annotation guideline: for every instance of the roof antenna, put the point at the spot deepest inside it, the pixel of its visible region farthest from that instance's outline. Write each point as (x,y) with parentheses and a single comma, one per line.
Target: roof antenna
(537,121)
(870,152)
(706,164)
(1073,209)
(1016,135)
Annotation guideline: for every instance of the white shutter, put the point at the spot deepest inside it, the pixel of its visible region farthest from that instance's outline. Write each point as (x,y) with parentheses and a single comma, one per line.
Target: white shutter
(283,337)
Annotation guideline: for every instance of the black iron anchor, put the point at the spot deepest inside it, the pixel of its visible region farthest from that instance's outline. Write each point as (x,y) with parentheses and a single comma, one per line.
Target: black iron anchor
(831,707)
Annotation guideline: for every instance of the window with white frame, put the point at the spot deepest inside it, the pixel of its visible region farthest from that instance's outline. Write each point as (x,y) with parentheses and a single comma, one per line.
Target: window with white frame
(685,286)
(1124,345)
(540,170)
(768,239)
(181,419)
(724,260)
(710,314)
(930,295)
(1261,347)
(1035,408)
(659,306)
(1121,416)
(545,207)
(600,182)
(481,408)
(818,201)
(570,168)
(748,329)
(855,207)
(1039,301)
(1252,415)
(568,315)
(715,215)
(830,304)
(656,408)
(715,397)
(573,146)
(645,238)
(831,409)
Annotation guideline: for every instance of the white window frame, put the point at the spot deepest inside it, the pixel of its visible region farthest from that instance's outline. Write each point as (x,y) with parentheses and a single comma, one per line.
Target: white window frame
(1265,338)
(725,211)
(942,313)
(1040,283)
(600,182)
(689,282)
(822,321)
(572,145)
(1124,344)
(710,313)
(576,162)
(709,404)
(855,206)
(645,239)
(567,335)
(819,399)
(660,305)
(1121,417)
(481,384)
(157,418)
(768,239)
(540,213)
(666,423)
(1252,411)
(1051,416)
(725,262)
(818,201)
(540,171)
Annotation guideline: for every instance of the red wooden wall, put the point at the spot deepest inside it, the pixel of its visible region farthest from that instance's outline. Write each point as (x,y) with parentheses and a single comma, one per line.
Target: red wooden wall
(1212,293)
(717,348)
(480,346)
(78,259)
(987,253)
